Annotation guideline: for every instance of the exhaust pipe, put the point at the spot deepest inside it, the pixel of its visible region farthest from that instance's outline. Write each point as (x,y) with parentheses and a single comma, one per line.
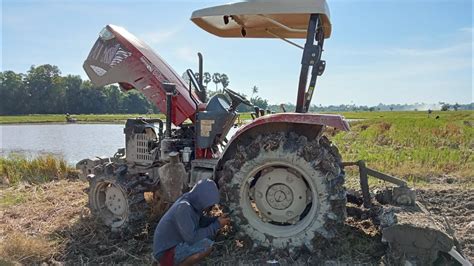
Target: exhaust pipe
(200,70)
(170,89)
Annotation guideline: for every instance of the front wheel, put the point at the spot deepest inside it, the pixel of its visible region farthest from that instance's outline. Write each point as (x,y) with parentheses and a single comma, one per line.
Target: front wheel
(285,190)
(116,203)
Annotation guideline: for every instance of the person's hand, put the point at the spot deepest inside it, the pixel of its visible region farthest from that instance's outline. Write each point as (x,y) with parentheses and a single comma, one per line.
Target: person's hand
(223,220)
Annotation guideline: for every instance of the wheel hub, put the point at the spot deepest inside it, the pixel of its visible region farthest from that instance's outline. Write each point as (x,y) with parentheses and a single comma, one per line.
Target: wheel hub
(280,195)
(115,200)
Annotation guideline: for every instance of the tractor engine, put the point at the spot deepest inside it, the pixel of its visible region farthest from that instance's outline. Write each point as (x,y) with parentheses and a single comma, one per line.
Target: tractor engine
(117,185)
(158,159)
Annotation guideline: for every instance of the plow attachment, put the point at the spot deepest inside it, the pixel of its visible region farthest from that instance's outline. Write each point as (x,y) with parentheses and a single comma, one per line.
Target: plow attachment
(413,235)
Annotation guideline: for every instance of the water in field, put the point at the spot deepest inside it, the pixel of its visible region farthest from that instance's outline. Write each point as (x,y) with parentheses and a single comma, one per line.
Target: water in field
(73,142)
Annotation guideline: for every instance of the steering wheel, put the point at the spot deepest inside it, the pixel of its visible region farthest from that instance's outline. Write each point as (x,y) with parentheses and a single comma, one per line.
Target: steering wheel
(237,99)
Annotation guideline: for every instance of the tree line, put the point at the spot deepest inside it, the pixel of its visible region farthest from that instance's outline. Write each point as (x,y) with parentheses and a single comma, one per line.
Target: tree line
(42,90)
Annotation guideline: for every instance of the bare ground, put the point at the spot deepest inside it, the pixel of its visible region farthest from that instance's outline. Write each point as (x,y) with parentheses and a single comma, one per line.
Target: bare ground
(51,223)
(457,207)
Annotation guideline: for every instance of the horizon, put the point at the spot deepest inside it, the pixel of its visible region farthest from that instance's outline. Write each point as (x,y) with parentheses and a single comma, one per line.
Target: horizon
(417,59)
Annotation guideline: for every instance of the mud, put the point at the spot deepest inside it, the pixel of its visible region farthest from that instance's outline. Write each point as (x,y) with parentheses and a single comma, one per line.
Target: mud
(82,240)
(357,241)
(456,206)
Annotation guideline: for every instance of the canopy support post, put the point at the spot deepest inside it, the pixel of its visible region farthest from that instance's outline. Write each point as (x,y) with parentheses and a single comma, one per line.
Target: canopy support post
(311,58)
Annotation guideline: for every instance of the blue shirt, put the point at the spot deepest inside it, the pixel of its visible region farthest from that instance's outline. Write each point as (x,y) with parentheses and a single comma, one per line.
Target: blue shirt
(181,222)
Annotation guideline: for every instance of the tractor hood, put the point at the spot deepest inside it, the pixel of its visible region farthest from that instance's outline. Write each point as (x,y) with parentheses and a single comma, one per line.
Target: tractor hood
(119,57)
(262,18)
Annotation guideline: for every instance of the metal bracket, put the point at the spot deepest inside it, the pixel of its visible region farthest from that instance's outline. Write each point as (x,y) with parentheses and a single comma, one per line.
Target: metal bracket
(311,55)
(321,66)
(284,39)
(364,172)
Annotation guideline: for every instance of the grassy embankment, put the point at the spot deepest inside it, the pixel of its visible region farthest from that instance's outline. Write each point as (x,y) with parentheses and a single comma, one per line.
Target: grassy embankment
(61,118)
(16,169)
(103,118)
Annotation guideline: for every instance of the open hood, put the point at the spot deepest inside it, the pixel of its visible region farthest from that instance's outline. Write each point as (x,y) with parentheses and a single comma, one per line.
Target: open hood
(119,57)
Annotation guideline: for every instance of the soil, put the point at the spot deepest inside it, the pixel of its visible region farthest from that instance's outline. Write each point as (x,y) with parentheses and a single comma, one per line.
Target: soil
(60,215)
(457,207)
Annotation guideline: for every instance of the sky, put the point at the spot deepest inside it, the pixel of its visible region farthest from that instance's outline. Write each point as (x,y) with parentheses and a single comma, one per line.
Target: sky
(380,51)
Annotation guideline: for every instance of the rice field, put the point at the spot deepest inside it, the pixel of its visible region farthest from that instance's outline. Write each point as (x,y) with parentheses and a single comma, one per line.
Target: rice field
(417,146)
(413,145)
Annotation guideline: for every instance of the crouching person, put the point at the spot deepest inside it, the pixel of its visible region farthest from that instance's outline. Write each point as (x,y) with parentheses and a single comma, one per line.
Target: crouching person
(183,235)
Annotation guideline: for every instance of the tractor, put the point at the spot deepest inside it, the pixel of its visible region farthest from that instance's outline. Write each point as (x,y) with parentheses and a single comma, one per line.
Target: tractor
(281,179)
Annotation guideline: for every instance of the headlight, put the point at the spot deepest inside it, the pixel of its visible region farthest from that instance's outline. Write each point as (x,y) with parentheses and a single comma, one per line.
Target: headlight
(106,34)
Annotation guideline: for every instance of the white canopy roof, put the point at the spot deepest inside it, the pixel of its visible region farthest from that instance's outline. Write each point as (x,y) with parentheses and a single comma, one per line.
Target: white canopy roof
(262,18)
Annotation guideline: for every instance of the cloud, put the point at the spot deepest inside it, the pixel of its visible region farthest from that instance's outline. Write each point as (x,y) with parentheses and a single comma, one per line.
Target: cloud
(401,74)
(453,49)
(408,63)
(463,47)
(162,36)
(186,53)
(466,29)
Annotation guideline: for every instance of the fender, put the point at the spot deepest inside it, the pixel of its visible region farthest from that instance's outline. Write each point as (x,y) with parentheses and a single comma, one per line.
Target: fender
(306,124)
(336,121)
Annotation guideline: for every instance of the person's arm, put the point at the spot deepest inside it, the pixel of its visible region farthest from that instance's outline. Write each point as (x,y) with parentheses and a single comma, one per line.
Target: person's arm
(206,220)
(190,231)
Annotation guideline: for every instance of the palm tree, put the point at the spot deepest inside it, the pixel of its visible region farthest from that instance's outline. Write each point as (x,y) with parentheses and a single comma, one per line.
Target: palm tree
(254,91)
(216,78)
(206,78)
(224,80)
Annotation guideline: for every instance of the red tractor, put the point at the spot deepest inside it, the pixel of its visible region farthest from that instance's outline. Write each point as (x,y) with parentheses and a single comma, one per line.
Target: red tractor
(280,177)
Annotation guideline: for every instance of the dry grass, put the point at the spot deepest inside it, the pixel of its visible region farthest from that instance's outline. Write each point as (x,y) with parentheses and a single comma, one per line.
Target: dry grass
(16,168)
(28,231)
(52,224)
(19,247)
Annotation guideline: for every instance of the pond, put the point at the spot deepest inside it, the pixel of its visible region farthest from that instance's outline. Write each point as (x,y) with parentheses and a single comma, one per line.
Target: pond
(72,142)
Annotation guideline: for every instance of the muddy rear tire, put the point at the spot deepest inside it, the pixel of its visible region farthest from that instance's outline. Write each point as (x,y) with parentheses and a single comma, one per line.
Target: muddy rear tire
(284,190)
